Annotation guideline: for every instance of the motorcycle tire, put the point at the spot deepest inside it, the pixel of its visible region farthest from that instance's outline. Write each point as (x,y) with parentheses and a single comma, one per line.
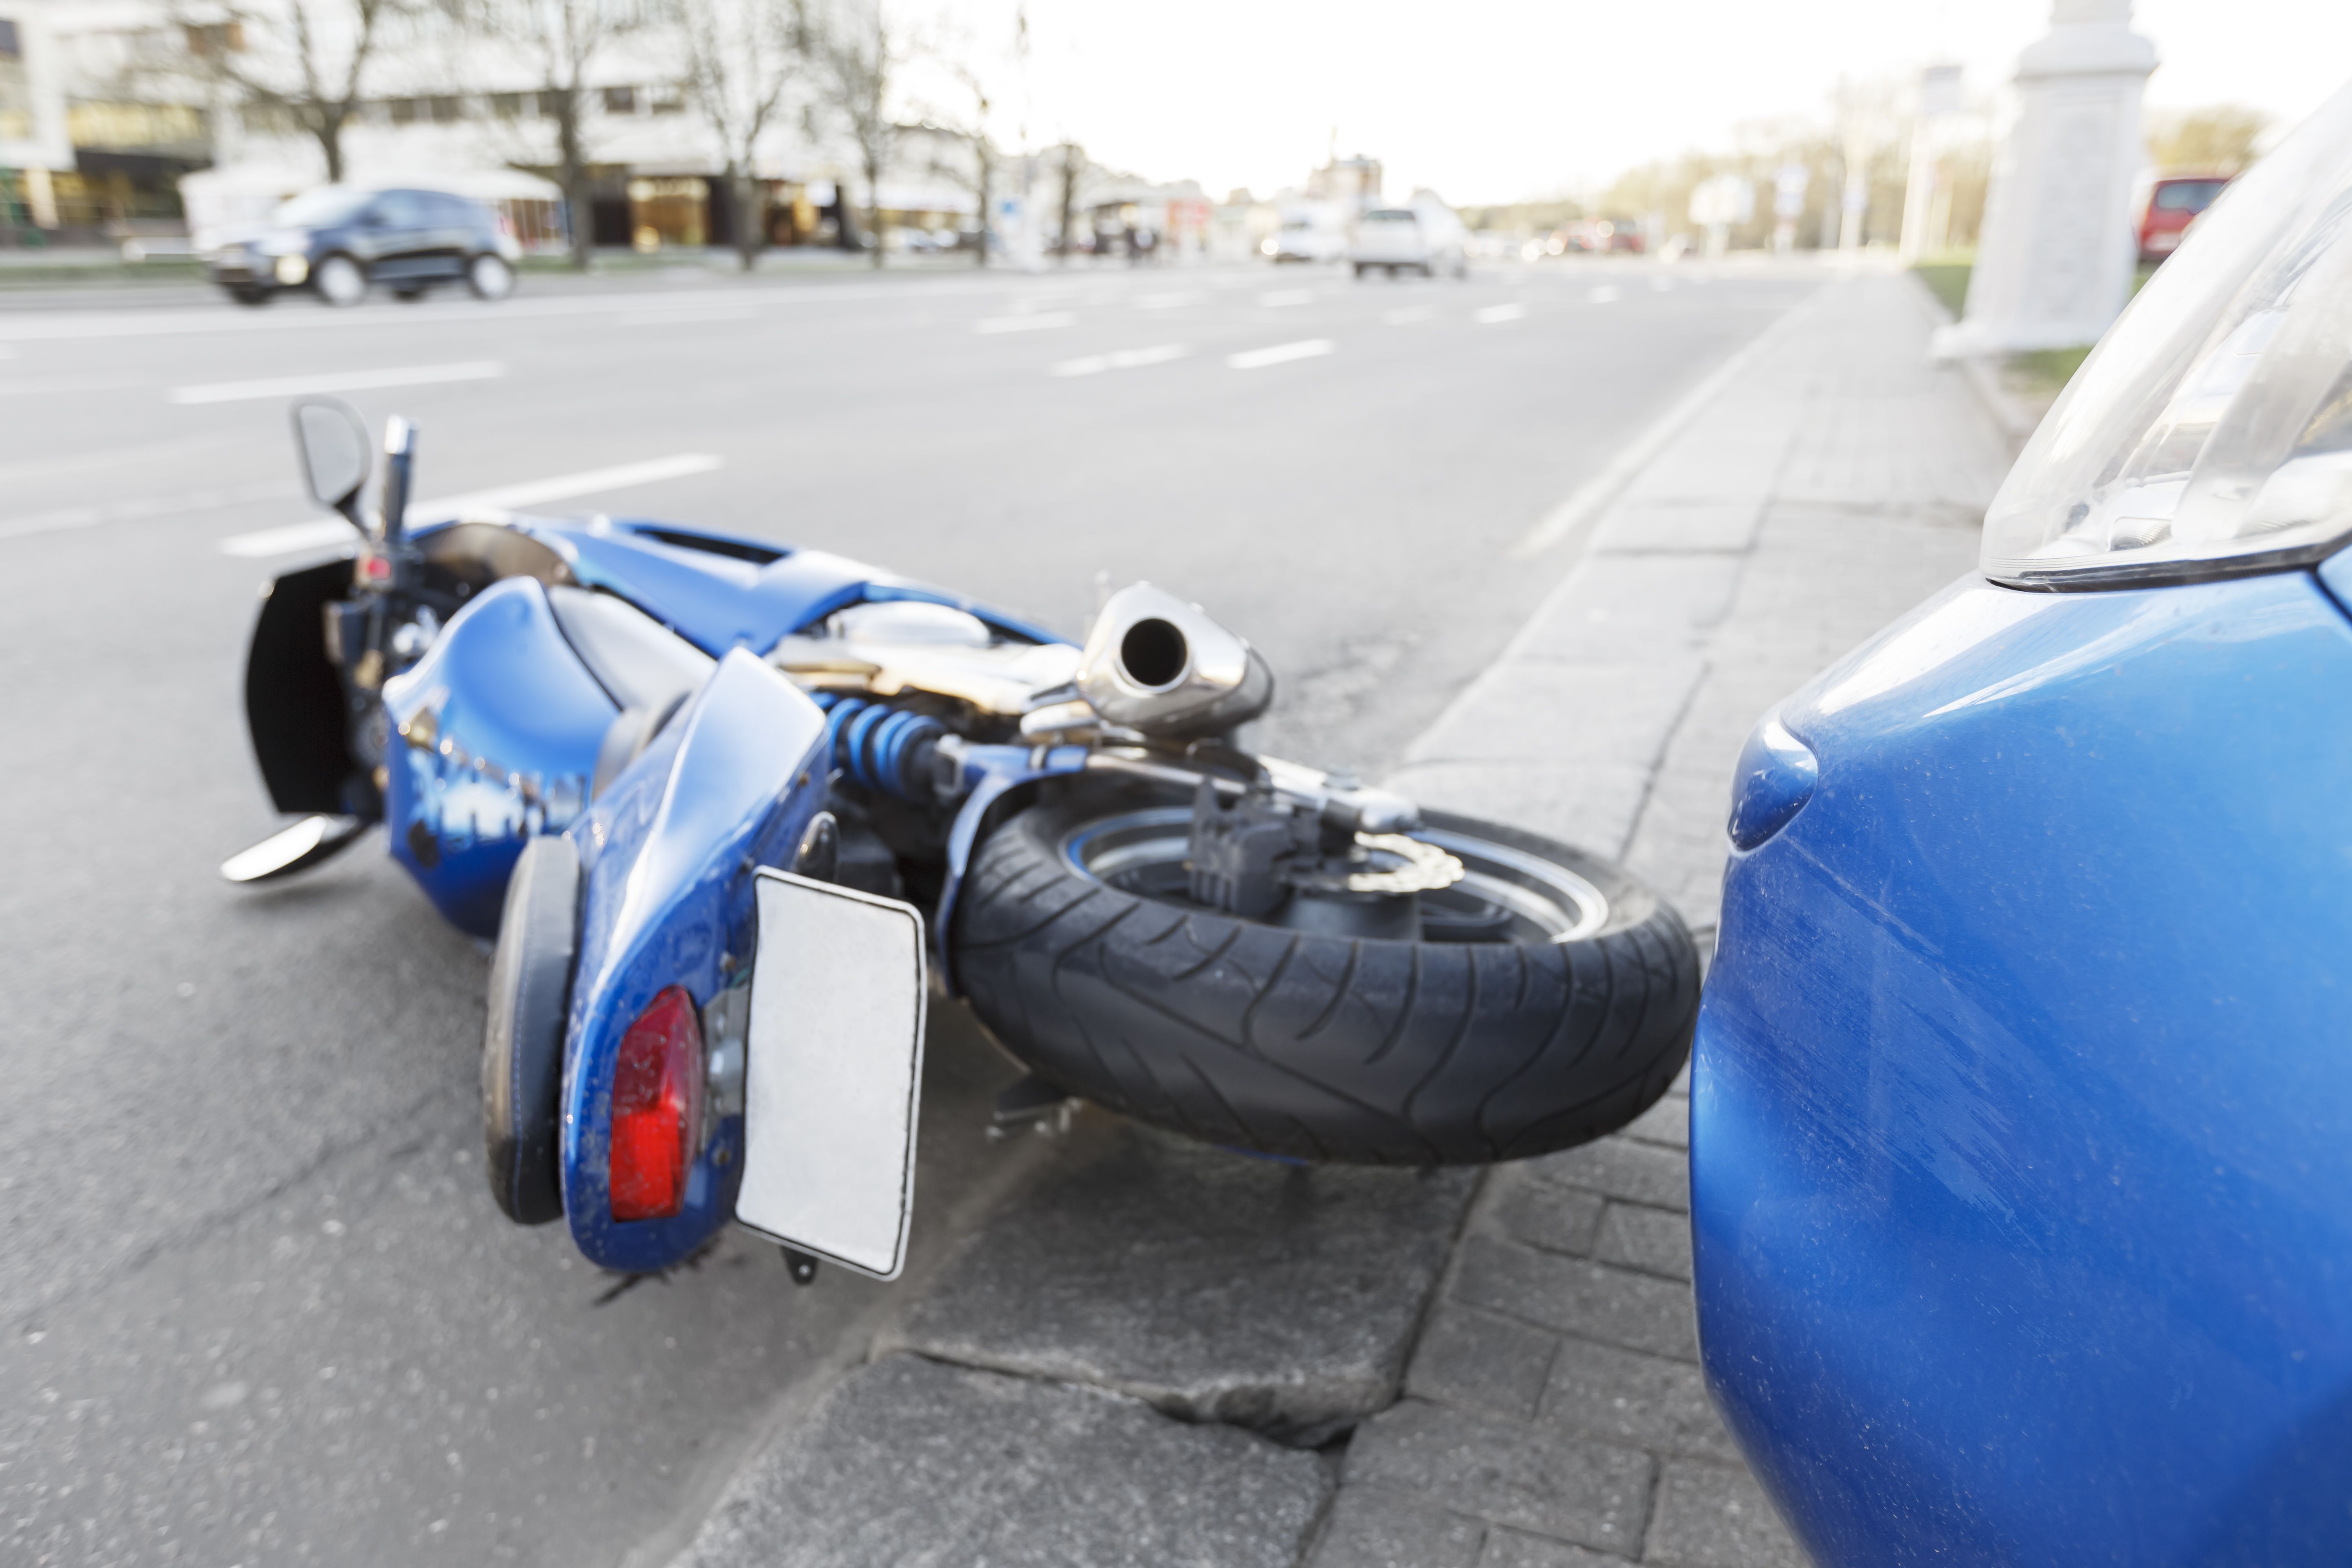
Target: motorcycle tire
(1548,1000)
(522,1032)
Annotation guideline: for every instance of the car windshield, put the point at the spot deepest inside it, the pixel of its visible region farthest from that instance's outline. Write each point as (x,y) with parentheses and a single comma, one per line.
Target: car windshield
(2220,406)
(312,209)
(1393,215)
(2188,196)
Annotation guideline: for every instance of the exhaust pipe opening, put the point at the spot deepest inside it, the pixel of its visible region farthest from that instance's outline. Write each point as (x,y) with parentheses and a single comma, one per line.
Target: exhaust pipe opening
(1154,663)
(1154,654)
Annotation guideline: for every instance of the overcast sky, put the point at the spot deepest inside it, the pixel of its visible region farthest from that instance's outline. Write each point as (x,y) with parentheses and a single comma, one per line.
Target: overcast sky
(1491,100)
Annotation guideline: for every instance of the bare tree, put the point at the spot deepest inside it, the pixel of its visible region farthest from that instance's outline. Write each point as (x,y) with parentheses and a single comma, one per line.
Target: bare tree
(303,61)
(859,64)
(743,57)
(978,176)
(2220,140)
(1074,165)
(563,40)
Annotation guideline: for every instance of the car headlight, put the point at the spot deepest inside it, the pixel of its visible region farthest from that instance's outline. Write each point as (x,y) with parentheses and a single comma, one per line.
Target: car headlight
(2210,432)
(293,270)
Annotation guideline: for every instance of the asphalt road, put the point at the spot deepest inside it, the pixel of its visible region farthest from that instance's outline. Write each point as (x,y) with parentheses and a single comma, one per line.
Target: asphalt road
(255,1304)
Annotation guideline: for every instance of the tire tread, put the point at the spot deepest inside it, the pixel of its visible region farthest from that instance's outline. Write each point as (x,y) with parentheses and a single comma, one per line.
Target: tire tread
(1315,1047)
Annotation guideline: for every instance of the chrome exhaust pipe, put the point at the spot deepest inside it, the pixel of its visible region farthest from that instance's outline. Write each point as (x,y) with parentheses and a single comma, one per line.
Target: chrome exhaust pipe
(1158,665)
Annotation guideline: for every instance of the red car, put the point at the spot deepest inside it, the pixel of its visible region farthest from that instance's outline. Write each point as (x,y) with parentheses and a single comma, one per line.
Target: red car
(2172,205)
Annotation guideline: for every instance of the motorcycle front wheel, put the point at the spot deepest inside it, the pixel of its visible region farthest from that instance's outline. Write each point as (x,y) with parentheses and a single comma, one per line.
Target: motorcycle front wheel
(1543,1000)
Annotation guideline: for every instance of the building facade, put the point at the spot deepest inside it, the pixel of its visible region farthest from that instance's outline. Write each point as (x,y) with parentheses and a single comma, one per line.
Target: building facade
(125,118)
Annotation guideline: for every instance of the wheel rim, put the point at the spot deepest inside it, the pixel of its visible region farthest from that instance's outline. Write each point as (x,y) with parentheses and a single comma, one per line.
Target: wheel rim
(1522,897)
(490,278)
(339,282)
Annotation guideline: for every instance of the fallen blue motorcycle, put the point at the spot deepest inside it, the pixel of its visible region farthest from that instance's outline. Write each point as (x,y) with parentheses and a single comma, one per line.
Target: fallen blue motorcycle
(727,808)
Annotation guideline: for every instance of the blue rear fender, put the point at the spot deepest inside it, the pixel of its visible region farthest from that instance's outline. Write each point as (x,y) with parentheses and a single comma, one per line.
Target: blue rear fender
(2021,1098)
(492,738)
(665,859)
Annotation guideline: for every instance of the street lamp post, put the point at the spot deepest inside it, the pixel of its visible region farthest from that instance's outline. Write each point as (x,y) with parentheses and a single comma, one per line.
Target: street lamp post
(1939,99)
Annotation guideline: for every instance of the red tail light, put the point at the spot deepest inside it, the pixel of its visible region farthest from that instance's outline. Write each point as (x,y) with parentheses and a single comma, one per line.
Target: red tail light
(657,1109)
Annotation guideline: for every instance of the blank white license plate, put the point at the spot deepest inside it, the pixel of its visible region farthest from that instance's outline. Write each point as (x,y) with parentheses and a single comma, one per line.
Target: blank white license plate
(833,1073)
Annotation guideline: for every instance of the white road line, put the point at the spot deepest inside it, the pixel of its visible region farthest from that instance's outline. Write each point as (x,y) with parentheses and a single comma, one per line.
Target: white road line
(563,486)
(73,517)
(1124,359)
(1408,315)
(324,533)
(1036,321)
(340,380)
(504,497)
(1604,487)
(295,316)
(1604,294)
(1281,353)
(1287,297)
(68,383)
(1494,314)
(1170,302)
(1660,285)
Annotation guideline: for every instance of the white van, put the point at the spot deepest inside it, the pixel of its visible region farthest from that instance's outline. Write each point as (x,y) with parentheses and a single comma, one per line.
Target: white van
(1307,238)
(1426,238)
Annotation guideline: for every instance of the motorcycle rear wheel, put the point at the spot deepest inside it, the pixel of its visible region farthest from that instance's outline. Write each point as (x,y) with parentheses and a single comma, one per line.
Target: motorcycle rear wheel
(1549,999)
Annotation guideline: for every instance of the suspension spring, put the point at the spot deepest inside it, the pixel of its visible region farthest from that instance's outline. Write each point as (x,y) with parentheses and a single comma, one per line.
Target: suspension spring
(889,750)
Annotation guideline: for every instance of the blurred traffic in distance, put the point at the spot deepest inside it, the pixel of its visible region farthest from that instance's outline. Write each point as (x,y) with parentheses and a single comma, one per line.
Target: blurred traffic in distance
(767,132)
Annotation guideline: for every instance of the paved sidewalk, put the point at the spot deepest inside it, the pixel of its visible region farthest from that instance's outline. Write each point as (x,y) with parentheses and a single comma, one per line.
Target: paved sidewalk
(1554,1412)
(1168,1354)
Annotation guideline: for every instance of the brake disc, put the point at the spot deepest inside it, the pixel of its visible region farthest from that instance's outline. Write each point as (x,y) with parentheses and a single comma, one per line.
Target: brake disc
(1380,863)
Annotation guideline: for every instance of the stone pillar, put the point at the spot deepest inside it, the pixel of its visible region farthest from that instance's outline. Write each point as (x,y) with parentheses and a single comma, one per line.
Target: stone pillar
(2054,262)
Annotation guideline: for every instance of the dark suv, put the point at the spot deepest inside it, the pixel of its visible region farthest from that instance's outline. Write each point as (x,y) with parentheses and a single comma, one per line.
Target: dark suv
(335,241)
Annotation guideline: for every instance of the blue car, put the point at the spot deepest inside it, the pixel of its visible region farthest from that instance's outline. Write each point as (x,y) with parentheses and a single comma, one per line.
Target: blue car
(2021,1104)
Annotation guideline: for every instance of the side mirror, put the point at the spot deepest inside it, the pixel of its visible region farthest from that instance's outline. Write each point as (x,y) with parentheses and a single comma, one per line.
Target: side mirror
(333,442)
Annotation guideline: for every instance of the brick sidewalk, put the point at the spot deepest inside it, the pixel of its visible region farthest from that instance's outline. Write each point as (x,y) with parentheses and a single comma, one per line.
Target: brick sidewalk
(1554,1412)
(1166,1353)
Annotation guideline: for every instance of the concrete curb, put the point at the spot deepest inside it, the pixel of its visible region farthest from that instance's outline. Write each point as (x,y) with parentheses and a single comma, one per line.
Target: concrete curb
(2015,420)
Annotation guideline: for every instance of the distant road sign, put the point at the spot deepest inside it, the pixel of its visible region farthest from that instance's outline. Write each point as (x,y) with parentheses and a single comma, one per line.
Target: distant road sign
(1724,199)
(1789,190)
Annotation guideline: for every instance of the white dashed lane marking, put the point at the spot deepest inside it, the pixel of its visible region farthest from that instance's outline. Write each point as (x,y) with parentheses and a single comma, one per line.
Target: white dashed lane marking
(1281,353)
(1123,359)
(338,381)
(329,531)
